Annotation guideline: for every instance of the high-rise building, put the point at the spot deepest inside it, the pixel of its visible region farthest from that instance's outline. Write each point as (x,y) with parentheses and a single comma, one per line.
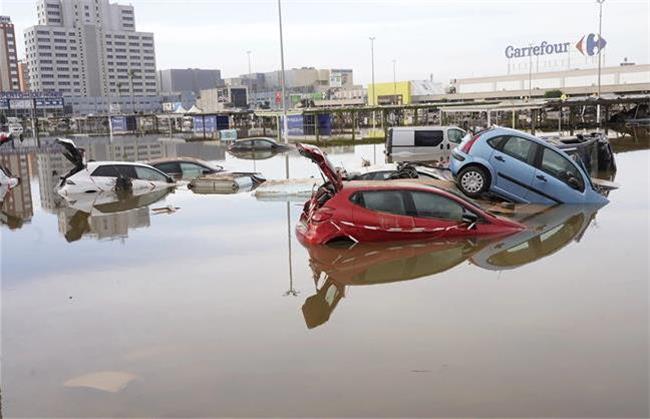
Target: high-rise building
(23,76)
(89,48)
(8,59)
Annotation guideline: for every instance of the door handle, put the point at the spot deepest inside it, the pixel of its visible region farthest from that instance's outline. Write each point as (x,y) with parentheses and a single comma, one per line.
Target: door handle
(541,177)
(499,158)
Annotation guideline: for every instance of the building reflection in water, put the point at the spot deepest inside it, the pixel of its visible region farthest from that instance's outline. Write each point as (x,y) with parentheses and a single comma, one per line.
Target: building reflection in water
(335,268)
(106,215)
(17,208)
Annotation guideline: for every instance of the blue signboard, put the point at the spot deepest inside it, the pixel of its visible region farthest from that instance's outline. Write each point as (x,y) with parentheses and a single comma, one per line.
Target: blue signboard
(118,123)
(4,103)
(294,124)
(210,123)
(198,124)
(48,102)
(223,122)
(325,124)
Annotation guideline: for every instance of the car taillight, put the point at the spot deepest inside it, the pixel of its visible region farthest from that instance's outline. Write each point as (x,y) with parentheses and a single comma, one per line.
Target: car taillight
(322,214)
(468,145)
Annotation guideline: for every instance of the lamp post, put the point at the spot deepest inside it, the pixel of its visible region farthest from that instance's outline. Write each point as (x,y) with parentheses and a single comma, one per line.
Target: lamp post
(250,82)
(530,73)
(285,123)
(372,69)
(394,79)
(600,31)
(131,75)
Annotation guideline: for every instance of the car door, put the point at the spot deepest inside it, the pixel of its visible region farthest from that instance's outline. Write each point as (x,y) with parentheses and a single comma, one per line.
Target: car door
(147,178)
(511,161)
(193,170)
(428,141)
(382,211)
(102,177)
(552,184)
(454,137)
(171,168)
(436,213)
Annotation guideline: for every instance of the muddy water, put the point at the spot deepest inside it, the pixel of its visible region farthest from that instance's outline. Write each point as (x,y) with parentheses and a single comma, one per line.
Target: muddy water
(216,309)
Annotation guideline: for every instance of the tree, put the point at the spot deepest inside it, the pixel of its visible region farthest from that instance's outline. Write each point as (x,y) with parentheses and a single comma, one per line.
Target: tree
(555,93)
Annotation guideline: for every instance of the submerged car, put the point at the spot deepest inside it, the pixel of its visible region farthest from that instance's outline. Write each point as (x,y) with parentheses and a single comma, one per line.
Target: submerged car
(185,167)
(394,171)
(522,168)
(101,176)
(257,144)
(395,210)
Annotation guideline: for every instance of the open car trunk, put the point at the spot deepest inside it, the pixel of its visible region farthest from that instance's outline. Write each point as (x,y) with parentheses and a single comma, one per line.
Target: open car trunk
(74,155)
(328,170)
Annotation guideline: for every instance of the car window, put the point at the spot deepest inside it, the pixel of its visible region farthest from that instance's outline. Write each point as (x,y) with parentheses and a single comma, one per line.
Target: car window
(192,169)
(517,147)
(171,167)
(427,138)
(384,201)
(559,167)
(106,170)
(263,144)
(497,142)
(243,144)
(455,135)
(431,205)
(146,173)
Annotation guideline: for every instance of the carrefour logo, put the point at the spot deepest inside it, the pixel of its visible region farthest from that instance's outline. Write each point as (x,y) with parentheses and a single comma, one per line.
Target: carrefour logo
(590,44)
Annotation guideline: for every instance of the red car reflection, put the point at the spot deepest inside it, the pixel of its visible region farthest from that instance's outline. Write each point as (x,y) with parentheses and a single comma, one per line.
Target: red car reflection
(392,210)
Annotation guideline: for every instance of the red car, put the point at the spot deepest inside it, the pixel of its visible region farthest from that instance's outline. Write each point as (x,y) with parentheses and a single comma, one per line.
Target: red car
(393,210)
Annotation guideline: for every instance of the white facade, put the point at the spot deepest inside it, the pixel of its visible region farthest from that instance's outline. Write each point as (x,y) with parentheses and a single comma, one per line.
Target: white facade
(90,48)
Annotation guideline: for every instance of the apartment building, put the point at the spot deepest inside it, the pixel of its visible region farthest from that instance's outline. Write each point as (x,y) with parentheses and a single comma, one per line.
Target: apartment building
(89,48)
(8,59)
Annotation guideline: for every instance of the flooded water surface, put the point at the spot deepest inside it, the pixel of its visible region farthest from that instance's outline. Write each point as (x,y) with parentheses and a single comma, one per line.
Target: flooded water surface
(180,304)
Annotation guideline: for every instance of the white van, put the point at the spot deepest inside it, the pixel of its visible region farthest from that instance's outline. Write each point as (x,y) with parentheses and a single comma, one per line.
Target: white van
(407,141)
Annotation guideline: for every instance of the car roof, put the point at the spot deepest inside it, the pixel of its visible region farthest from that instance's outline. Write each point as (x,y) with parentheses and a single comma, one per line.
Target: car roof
(177,159)
(255,138)
(423,127)
(109,162)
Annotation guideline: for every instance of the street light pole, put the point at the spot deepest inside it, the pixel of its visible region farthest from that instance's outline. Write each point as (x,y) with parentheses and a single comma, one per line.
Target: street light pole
(372,69)
(285,123)
(250,82)
(530,74)
(600,31)
(394,79)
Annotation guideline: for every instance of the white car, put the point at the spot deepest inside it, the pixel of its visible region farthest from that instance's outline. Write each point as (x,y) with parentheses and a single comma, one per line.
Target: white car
(7,180)
(102,176)
(395,171)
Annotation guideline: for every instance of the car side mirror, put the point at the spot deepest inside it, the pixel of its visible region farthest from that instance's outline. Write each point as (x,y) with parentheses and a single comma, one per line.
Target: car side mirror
(470,219)
(573,182)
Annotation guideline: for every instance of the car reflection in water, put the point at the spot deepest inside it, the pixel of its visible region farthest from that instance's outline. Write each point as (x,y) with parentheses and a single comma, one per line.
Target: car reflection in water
(106,215)
(255,154)
(549,230)
(335,267)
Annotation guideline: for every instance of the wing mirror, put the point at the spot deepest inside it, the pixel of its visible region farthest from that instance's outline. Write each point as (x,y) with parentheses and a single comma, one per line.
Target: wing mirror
(470,219)
(572,181)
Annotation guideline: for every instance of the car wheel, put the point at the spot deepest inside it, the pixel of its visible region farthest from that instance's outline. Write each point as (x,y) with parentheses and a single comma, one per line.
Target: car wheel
(473,181)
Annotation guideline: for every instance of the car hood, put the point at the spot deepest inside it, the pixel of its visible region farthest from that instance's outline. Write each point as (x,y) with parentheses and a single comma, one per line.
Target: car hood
(316,155)
(71,152)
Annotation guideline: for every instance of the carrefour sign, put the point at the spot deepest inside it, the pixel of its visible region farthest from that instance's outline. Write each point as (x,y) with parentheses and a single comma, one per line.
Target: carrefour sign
(590,44)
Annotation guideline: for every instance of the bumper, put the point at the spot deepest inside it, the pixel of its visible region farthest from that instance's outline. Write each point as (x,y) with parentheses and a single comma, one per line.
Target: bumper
(458,159)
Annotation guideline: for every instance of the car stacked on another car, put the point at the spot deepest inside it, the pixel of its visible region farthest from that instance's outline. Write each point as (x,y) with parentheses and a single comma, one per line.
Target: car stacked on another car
(395,210)
(521,168)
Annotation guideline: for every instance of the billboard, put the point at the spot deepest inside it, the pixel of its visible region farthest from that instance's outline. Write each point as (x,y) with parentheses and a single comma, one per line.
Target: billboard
(4,103)
(295,124)
(206,124)
(21,103)
(118,123)
(48,102)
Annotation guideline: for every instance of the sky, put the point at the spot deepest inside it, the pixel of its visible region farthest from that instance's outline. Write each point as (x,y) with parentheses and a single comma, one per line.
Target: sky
(443,39)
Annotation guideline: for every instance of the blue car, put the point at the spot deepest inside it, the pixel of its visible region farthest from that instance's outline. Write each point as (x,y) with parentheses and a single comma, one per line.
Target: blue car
(520,168)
